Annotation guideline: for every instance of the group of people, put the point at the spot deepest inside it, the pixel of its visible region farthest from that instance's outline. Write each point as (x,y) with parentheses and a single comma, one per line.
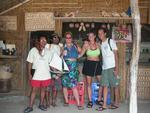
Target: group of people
(101,62)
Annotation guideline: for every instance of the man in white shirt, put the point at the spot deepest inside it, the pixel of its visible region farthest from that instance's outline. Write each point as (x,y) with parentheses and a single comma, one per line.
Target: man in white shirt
(38,60)
(55,48)
(110,67)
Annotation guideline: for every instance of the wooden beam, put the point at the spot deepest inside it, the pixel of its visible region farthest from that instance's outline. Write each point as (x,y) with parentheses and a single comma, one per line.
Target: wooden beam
(18,5)
(149,17)
(135,55)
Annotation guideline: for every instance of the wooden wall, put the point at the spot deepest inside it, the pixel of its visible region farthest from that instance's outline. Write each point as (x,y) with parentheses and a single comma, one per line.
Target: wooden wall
(20,37)
(145,11)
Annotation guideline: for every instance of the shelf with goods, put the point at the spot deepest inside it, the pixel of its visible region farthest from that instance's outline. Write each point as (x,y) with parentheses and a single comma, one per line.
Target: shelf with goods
(15,61)
(8,57)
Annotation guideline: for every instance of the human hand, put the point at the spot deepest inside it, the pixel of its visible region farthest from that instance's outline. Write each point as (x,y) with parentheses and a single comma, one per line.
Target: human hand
(30,76)
(116,72)
(64,52)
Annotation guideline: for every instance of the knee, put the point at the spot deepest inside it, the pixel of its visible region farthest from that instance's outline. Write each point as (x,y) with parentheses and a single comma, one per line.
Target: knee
(88,85)
(34,90)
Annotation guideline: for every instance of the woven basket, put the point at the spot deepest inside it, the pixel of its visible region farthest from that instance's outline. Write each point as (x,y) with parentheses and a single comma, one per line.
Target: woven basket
(143,83)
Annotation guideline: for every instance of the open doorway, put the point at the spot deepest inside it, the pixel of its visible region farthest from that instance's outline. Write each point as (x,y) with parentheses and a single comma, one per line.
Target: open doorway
(34,35)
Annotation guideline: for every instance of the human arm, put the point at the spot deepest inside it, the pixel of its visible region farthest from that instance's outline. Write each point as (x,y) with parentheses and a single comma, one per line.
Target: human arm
(30,60)
(116,62)
(29,65)
(83,50)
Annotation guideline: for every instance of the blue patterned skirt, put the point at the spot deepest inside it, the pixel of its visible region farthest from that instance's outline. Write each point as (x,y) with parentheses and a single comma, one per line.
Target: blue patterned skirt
(70,79)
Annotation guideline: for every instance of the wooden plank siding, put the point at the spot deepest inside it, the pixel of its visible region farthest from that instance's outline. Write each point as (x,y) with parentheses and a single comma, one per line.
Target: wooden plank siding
(87,8)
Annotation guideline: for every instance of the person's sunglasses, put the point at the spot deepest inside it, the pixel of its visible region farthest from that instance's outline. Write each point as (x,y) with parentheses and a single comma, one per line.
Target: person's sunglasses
(68,37)
(55,37)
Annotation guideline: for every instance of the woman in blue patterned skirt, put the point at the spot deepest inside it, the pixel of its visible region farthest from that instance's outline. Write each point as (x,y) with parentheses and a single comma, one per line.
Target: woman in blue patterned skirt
(70,80)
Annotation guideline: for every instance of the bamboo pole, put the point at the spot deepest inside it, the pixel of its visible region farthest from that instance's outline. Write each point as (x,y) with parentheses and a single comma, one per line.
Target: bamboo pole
(16,6)
(135,55)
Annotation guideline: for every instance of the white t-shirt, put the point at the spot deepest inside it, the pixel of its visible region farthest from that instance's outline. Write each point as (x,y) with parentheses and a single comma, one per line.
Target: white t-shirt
(53,48)
(108,54)
(40,63)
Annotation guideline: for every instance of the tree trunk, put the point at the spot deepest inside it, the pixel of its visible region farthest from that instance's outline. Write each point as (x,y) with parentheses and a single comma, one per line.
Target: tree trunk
(135,55)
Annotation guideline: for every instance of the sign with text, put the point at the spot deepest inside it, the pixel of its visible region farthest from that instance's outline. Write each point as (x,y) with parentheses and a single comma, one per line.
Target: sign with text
(35,21)
(8,23)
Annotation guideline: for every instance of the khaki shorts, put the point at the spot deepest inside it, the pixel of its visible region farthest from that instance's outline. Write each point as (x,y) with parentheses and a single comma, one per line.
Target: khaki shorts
(108,78)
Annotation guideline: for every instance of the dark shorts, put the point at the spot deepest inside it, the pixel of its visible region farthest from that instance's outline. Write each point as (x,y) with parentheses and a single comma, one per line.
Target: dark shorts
(92,68)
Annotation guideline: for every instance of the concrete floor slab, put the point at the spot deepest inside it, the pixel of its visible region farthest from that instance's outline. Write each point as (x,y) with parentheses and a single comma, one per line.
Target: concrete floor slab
(16,104)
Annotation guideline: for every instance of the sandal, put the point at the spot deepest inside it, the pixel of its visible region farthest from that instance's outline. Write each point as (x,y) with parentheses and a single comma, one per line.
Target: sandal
(80,107)
(28,110)
(99,102)
(54,105)
(113,106)
(90,104)
(42,107)
(66,104)
(101,108)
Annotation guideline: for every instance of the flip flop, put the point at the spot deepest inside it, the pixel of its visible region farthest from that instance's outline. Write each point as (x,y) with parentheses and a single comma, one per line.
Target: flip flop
(112,106)
(101,108)
(80,107)
(66,104)
(54,105)
(99,102)
(90,104)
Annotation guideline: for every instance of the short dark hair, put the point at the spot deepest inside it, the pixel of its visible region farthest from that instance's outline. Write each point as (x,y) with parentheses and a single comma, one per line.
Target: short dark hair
(55,35)
(39,37)
(103,29)
(92,31)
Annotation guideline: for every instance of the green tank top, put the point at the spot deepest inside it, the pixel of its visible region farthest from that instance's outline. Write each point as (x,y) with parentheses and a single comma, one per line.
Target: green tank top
(93,53)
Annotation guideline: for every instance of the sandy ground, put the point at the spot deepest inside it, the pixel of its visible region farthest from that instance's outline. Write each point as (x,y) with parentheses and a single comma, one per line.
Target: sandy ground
(16,104)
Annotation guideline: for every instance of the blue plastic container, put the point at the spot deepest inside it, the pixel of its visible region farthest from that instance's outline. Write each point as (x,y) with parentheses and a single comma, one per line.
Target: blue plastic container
(95,89)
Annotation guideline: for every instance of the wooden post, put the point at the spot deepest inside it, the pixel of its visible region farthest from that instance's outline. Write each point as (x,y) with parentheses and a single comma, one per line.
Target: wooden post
(135,55)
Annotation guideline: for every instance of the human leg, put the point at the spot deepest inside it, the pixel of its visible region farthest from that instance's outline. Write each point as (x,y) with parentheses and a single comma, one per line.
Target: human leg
(105,83)
(42,95)
(99,101)
(105,93)
(117,96)
(47,98)
(115,86)
(89,90)
(104,106)
(76,95)
(48,95)
(54,96)
(32,98)
(43,85)
(41,105)
(65,92)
